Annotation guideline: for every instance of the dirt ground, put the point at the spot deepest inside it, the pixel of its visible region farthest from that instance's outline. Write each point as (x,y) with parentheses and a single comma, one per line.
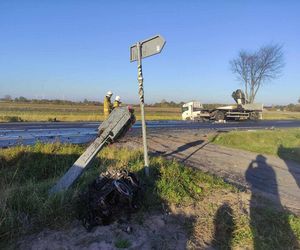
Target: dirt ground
(189,227)
(156,231)
(266,175)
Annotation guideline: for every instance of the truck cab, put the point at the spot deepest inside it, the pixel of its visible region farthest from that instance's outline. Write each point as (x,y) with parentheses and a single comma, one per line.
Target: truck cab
(191,110)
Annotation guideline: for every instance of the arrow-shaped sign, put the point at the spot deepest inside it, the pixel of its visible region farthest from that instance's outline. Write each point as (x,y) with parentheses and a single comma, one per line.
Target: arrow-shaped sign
(150,47)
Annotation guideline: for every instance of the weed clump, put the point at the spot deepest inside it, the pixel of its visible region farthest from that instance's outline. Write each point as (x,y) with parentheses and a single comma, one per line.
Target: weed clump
(122,243)
(11,119)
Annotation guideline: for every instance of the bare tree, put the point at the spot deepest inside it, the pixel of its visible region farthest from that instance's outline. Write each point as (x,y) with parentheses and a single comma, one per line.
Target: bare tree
(7,98)
(253,69)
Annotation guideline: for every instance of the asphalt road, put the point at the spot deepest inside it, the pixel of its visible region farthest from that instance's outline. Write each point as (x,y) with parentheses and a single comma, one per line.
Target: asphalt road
(12,134)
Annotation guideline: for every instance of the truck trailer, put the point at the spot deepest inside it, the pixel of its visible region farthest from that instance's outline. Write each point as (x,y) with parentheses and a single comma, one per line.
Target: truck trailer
(242,110)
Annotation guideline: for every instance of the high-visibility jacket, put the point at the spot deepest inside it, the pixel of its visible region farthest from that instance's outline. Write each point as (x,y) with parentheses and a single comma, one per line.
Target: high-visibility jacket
(117,104)
(107,107)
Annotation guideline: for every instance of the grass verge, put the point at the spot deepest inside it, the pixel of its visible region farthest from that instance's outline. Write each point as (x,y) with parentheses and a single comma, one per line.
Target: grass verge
(284,143)
(27,173)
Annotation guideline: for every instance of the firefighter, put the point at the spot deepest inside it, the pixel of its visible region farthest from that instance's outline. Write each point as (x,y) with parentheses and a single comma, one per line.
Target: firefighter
(107,105)
(117,102)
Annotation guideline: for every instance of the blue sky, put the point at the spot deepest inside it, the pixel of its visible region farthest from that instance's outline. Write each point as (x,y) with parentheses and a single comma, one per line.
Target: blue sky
(80,49)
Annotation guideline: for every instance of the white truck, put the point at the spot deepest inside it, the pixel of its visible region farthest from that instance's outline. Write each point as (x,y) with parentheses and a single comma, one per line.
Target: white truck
(192,110)
(240,111)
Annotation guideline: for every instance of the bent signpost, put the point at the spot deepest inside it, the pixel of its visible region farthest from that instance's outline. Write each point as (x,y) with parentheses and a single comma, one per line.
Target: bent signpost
(148,47)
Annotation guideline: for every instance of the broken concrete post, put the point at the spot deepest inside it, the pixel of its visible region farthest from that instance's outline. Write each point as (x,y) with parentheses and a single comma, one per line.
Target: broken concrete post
(117,124)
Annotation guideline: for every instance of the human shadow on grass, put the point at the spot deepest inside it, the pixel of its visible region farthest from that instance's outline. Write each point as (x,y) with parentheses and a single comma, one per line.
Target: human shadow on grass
(224,227)
(269,224)
(293,154)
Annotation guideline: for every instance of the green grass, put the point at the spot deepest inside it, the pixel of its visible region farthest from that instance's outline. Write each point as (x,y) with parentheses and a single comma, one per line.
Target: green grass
(269,237)
(27,173)
(122,243)
(284,143)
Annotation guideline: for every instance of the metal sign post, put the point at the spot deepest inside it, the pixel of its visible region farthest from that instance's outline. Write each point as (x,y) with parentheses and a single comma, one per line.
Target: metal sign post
(141,94)
(138,51)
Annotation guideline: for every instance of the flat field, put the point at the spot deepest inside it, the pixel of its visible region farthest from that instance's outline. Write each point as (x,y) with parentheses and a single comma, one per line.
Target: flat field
(10,111)
(281,115)
(33,112)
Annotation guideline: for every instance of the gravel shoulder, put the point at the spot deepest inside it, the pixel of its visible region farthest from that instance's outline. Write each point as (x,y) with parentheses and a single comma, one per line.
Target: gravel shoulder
(266,175)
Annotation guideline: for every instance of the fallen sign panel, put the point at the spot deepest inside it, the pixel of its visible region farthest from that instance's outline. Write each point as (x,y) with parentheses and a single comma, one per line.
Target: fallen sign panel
(116,126)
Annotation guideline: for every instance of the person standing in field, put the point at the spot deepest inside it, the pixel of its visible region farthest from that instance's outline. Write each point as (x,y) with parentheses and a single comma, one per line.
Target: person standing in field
(117,102)
(107,105)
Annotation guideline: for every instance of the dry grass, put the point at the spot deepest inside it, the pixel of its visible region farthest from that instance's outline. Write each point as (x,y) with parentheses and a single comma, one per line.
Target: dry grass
(73,112)
(281,115)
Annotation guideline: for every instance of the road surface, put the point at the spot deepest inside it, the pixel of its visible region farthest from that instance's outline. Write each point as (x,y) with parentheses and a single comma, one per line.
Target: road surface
(12,134)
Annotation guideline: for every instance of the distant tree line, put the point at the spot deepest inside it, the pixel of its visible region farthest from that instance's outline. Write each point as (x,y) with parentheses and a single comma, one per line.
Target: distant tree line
(162,104)
(165,104)
(290,107)
(293,107)
(8,98)
(22,99)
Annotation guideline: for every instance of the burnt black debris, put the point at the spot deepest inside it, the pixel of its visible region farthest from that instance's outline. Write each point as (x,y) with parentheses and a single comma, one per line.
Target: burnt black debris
(110,196)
